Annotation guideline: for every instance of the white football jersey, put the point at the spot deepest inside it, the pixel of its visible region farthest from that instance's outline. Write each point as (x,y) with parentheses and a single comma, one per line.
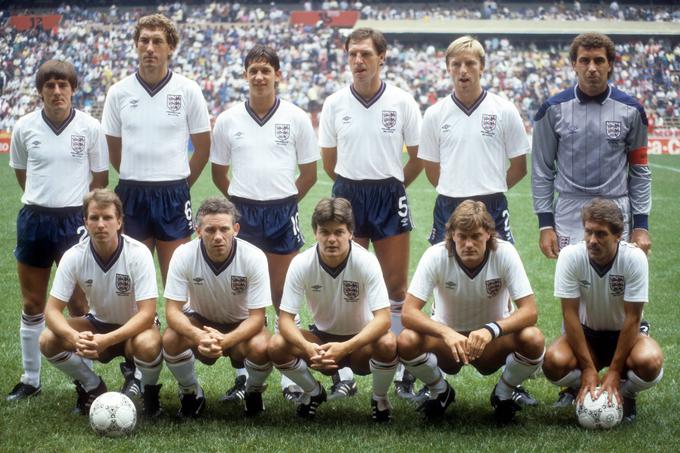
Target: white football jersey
(342,300)
(58,160)
(264,154)
(465,300)
(112,288)
(370,135)
(222,293)
(154,125)
(602,292)
(472,145)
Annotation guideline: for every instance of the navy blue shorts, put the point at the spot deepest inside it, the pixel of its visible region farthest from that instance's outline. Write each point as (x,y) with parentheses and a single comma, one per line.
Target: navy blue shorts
(44,234)
(380,207)
(325,337)
(496,204)
(603,344)
(115,350)
(272,226)
(159,210)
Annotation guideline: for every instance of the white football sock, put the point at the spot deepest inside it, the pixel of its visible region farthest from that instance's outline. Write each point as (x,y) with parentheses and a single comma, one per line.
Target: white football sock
(257,375)
(149,371)
(382,373)
(634,384)
(29,333)
(424,367)
(296,370)
(571,380)
(517,369)
(182,367)
(73,366)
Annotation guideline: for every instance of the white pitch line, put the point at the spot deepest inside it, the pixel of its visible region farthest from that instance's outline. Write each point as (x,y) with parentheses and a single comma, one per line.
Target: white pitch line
(665,167)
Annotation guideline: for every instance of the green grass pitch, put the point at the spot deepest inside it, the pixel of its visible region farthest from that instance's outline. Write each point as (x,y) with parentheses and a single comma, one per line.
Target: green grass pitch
(45,424)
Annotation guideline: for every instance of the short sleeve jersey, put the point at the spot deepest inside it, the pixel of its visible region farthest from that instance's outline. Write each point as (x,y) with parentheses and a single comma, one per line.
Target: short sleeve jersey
(154,125)
(112,288)
(472,145)
(466,299)
(342,300)
(602,291)
(48,153)
(220,292)
(264,153)
(370,134)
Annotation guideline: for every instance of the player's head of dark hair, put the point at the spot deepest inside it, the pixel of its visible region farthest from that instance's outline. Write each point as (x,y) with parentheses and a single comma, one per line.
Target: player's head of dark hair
(361,34)
(468,217)
(602,210)
(260,53)
(216,205)
(333,210)
(158,22)
(591,41)
(466,44)
(102,198)
(58,70)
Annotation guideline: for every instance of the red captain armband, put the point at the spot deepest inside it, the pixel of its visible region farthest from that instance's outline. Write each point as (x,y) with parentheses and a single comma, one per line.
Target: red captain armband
(638,156)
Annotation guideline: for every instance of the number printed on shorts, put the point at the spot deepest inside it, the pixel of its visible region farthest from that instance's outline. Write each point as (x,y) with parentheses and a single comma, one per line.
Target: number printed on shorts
(82,232)
(188,213)
(295,223)
(403,207)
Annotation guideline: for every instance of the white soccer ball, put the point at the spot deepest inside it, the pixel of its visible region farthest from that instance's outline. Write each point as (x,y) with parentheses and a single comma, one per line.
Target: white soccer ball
(113,414)
(599,413)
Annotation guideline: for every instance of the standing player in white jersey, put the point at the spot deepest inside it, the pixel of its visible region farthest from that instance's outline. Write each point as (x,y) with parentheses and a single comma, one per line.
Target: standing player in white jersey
(590,140)
(473,276)
(216,296)
(48,144)
(265,141)
(362,133)
(343,285)
(148,119)
(603,285)
(473,144)
(118,276)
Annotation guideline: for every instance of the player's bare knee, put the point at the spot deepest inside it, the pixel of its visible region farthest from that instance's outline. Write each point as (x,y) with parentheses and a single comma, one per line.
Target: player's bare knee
(385,349)
(171,342)
(647,365)
(555,364)
(408,344)
(33,304)
(47,343)
(258,349)
(277,349)
(147,345)
(530,342)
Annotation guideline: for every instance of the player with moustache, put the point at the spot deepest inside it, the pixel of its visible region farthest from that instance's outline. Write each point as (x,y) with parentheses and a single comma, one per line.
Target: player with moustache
(603,283)
(473,276)
(473,143)
(216,297)
(344,288)
(362,133)
(118,276)
(46,145)
(270,146)
(149,118)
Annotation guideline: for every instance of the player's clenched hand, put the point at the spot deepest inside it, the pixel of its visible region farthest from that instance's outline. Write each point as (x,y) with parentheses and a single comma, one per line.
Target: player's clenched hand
(589,382)
(334,351)
(86,346)
(477,341)
(219,337)
(208,345)
(459,346)
(547,241)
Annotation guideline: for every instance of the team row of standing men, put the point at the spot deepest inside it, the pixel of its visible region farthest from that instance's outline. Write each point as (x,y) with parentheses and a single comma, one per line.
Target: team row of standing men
(269,145)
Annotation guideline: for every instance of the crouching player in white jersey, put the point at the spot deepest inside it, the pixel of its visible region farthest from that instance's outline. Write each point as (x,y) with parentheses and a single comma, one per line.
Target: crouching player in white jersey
(118,276)
(216,296)
(348,299)
(473,275)
(266,140)
(603,285)
(362,133)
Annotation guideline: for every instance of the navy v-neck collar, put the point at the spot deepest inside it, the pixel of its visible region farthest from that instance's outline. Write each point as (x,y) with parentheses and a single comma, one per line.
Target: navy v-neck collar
(469,111)
(368,103)
(334,271)
(262,121)
(153,90)
(603,270)
(58,129)
(472,273)
(106,265)
(218,268)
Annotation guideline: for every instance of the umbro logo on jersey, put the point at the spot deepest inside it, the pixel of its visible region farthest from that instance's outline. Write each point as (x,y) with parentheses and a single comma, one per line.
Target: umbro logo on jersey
(446,128)
(584,284)
(239,135)
(571,130)
(123,284)
(346,119)
(451,285)
(317,288)
(88,283)
(198,280)
(36,143)
(134,103)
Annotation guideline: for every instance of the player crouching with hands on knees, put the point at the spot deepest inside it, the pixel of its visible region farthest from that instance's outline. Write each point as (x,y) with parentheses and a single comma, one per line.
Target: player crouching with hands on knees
(344,287)
(603,285)
(473,276)
(118,276)
(216,296)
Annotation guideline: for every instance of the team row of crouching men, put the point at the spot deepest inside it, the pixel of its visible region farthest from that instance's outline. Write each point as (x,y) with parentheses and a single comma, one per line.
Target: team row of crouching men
(484,312)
